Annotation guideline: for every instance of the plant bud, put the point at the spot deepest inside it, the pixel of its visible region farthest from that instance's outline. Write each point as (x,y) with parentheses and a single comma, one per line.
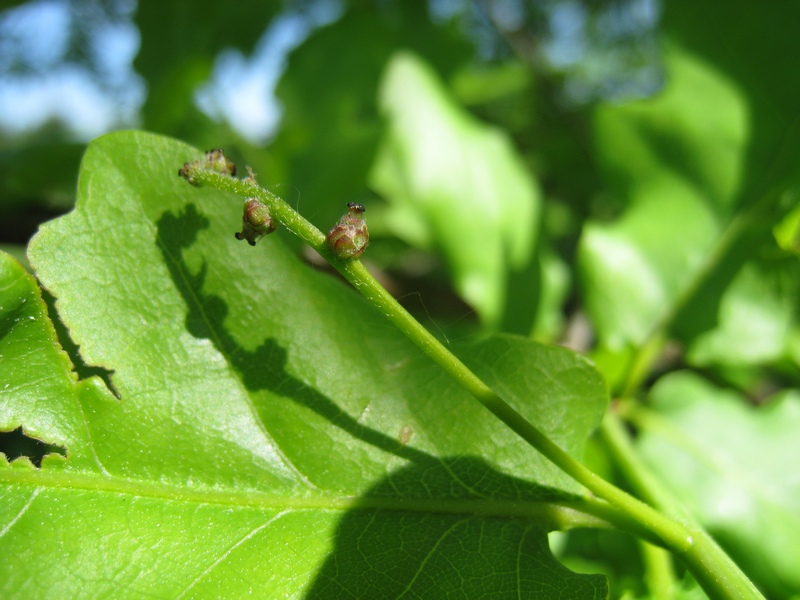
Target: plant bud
(188,170)
(256,222)
(349,237)
(251,177)
(215,161)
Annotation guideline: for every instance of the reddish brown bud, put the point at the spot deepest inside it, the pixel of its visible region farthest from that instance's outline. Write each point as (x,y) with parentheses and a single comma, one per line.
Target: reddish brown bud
(349,237)
(256,222)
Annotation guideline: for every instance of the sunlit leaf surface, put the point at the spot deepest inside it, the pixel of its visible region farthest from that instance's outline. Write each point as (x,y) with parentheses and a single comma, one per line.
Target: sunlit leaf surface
(455,185)
(735,466)
(270,434)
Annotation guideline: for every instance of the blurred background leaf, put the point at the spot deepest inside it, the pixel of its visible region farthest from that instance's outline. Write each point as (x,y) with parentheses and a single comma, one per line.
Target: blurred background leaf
(704,175)
(456,185)
(728,462)
(673,161)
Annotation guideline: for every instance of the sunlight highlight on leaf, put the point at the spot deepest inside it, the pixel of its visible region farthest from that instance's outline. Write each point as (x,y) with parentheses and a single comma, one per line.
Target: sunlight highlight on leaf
(455,185)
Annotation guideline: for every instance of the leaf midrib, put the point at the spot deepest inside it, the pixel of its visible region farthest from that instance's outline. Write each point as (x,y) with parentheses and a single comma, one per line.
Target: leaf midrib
(544,509)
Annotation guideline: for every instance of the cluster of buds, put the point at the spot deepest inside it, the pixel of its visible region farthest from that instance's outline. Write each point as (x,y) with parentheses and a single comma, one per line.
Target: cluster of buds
(256,222)
(349,237)
(215,160)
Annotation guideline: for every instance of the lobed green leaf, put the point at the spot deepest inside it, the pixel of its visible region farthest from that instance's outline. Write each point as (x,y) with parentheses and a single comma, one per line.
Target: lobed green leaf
(271,434)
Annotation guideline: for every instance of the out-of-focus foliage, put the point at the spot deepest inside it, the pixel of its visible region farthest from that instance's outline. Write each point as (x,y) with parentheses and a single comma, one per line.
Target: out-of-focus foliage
(674,161)
(179,41)
(729,464)
(705,172)
(455,183)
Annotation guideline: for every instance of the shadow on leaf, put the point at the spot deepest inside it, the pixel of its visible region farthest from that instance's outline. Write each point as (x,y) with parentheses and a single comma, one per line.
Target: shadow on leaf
(451,527)
(443,548)
(265,369)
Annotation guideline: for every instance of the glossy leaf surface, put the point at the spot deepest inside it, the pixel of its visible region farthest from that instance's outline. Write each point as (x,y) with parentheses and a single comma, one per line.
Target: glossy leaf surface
(272,435)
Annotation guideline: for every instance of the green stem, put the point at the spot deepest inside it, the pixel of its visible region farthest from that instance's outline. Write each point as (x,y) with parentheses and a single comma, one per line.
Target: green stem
(659,574)
(718,575)
(707,552)
(617,440)
(636,472)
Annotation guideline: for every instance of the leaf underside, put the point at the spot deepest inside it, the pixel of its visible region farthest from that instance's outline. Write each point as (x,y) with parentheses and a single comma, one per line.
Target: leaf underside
(270,434)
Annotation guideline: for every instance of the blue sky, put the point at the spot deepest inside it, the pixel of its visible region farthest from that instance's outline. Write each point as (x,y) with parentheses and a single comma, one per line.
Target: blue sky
(38,32)
(54,89)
